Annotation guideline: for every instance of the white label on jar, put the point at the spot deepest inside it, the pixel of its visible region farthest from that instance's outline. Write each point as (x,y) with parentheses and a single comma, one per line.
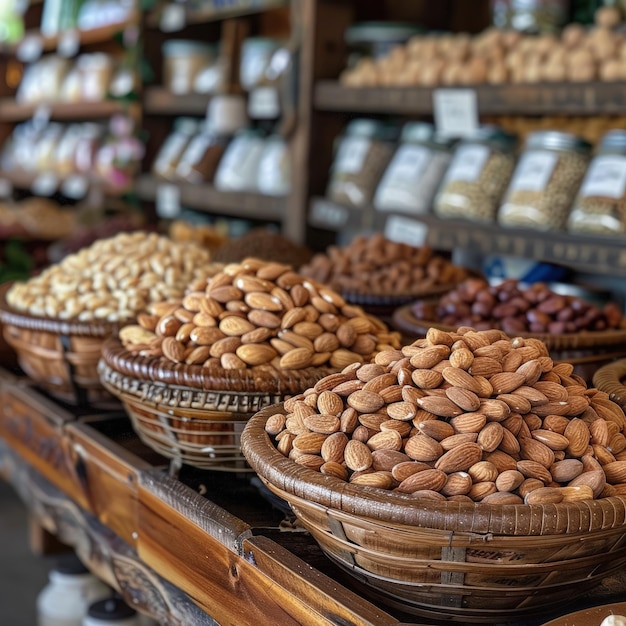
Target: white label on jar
(408,164)
(263,103)
(351,154)
(468,163)
(606,177)
(534,170)
(455,112)
(405,230)
(329,215)
(168,201)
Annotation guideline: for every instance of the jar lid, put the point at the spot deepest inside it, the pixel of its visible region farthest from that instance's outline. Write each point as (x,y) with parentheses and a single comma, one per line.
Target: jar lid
(615,138)
(381,32)
(417,131)
(375,129)
(70,565)
(110,609)
(495,135)
(173,47)
(261,43)
(557,140)
(187,125)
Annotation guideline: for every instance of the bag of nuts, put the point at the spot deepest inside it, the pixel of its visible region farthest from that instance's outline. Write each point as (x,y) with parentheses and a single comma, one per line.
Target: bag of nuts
(466,415)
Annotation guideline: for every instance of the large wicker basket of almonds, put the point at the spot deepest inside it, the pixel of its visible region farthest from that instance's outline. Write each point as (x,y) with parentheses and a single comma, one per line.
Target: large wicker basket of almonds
(464,477)
(193,370)
(58,320)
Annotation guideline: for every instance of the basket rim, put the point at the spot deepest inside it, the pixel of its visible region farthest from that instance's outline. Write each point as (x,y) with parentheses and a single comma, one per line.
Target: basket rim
(405,321)
(387,507)
(198,377)
(608,378)
(26,321)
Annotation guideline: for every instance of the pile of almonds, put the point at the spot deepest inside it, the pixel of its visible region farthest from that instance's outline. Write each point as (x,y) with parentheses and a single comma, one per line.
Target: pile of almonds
(258,314)
(464,416)
(515,308)
(378,266)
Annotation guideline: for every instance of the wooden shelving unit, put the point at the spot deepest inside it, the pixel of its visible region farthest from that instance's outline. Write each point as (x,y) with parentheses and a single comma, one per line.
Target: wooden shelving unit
(159,101)
(12,111)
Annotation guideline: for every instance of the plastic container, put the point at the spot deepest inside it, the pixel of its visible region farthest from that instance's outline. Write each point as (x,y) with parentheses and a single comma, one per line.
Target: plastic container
(415,171)
(64,601)
(545,181)
(239,167)
(256,53)
(477,177)
(274,174)
(183,61)
(362,154)
(111,611)
(600,206)
(173,147)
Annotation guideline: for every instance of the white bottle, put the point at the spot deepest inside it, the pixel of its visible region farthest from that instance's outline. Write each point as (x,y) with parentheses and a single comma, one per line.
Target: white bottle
(71,590)
(111,612)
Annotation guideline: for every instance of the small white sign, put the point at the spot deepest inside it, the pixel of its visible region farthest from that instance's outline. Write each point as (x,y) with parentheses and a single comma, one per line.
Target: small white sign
(455,112)
(69,43)
(263,103)
(30,48)
(168,201)
(173,18)
(45,184)
(329,215)
(405,230)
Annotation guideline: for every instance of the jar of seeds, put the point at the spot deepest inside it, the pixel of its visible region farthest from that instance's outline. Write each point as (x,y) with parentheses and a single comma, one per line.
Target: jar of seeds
(477,177)
(362,154)
(600,206)
(410,181)
(545,181)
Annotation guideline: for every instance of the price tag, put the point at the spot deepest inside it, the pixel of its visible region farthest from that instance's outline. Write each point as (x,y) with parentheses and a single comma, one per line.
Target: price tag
(45,184)
(173,18)
(455,112)
(168,201)
(404,230)
(30,48)
(329,215)
(69,43)
(263,103)
(75,186)
(6,188)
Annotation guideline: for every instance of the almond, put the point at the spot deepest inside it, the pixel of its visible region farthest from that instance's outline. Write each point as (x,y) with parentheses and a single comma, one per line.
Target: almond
(423,448)
(382,480)
(224,293)
(534,450)
(534,469)
(533,395)
(403,411)
(255,354)
(461,358)
(333,447)
(385,440)
(309,443)
(459,459)
(340,358)
(357,456)
(494,410)
(555,423)
(295,359)
(566,470)
(264,319)
(544,495)
(490,436)
(468,422)
(502,497)
(457,483)
(173,350)
(329,402)
(437,429)
(615,472)
(441,406)
(324,424)
(553,391)
(365,401)
(481,490)
(576,494)
(595,479)
(234,326)
(485,366)
(553,440)
(312,461)
(515,402)
(426,378)
(531,371)
(579,437)
(509,443)
(458,439)
(430,479)
(483,471)
(506,382)
(331,468)
(460,378)
(385,460)
(599,432)
(464,398)
(509,480)
(617,443)
(427,358)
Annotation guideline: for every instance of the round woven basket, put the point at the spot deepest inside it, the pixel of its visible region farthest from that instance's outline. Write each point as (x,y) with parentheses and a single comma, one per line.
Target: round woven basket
(587,351)
(192,414)
(466,562)
(610,379)
(60,356)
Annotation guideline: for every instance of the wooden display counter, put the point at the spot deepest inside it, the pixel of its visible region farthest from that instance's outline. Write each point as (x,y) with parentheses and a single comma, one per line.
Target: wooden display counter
(202,547)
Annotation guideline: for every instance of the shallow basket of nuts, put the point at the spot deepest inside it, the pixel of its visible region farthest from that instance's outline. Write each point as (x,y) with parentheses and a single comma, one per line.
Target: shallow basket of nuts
(193,370)
(574,330)
(58,320)
(464,477)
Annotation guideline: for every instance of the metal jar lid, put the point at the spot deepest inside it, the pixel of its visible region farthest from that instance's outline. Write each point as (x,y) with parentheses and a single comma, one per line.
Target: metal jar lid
(557,140)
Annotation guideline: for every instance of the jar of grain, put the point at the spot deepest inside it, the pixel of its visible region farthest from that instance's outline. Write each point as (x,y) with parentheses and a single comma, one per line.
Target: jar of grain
(363,153)
(183,60)
(477,177)
(600,206)
(415,171)
(174,147)
(545,181)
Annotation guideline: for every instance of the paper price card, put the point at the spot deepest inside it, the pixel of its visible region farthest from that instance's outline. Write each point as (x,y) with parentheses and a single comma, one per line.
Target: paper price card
(455,112)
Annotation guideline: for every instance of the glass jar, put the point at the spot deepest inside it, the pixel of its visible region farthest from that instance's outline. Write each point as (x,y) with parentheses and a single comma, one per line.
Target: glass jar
(362,154)
(111,611)
(545,181)
(183,61)
(274,175)
(415,171)
(477,177)
(225,116)
(256,53)
(239,167)
(96,70)
(173,148)
(600,206)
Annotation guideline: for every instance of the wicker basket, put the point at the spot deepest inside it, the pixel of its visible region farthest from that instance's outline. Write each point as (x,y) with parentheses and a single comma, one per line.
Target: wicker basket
(191,414)
(610,379)
(61,357)
(586,350)
(467,562)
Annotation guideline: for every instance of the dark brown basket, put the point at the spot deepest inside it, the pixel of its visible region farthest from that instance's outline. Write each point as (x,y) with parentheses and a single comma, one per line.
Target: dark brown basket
(60,356)
(467,562)
(610,379)
(586,350)
(192,414)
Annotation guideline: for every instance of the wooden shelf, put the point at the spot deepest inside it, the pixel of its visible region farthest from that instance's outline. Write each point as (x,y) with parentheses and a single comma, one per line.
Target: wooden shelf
(595,98)
(212,13)
(12,111)
(245,205)
(594,253)
(159,101)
